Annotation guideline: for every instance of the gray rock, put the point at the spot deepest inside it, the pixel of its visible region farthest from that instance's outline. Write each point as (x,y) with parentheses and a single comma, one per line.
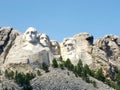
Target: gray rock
(7,38)
(58,79)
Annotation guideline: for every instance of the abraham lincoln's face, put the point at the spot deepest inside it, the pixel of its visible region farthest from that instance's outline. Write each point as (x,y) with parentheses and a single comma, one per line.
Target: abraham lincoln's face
(69,44)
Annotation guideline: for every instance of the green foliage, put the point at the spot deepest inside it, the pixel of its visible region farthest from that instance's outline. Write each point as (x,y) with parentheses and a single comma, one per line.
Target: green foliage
(6,73)
(80,64)
(54,63)
(9,75)
(61,65)
(117,77)
(69,65)
(38,72)
(60,58)
(24,80)
(94,84)
(78,69)
(86,69)
(92,73)
(99,75)
(45,67)
(21,79)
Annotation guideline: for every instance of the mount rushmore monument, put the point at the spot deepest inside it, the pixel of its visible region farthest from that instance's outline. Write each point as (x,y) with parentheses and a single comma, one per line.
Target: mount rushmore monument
(34,48)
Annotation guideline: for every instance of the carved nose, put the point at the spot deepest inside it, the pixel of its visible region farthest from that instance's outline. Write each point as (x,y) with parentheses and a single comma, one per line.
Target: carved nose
(45,40)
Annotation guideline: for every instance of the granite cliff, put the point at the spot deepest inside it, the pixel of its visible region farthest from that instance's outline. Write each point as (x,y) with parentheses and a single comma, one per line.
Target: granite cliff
(32,49)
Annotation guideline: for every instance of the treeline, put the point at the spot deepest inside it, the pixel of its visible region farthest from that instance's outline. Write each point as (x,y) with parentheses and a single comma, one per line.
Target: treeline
(23,80)
(84,72)
(79,70)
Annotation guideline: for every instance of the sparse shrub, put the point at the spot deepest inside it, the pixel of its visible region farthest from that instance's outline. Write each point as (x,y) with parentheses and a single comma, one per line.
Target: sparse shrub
(38,72)
(61,66)
(94,84)
(68,73)
(45,67)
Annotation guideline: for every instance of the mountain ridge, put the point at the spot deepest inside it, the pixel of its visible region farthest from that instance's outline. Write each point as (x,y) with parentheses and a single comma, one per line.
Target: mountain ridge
(34,49)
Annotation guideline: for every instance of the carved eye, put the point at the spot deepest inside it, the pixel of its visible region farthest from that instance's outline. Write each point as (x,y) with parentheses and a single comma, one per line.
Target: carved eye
(27,33)
(65,45)
(32,32)
(70,44)
(42,38)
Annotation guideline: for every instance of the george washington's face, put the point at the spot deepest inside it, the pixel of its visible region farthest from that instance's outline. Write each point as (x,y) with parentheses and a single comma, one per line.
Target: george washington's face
(30,35)
(44,40)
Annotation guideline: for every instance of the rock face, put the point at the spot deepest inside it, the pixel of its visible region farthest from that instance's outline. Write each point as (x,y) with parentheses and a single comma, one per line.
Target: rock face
(103,53)
(7,38)
(28,50)
(110,44)
(78,47)
(32,49)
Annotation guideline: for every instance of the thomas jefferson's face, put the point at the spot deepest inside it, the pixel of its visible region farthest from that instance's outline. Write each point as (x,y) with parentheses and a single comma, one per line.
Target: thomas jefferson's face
(31,35)
(44,40)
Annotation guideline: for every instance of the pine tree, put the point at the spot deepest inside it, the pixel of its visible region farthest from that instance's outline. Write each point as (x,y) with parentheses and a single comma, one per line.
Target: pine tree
(54,63)
(60,58)
(99,75)
(69,65)
(79,68)
(38,72)
(45,67)
(6,73)
(61,65)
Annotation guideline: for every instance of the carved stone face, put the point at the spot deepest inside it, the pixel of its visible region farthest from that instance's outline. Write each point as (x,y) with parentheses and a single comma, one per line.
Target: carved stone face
(55,47)
(30,35)
(69,44)
(44,40)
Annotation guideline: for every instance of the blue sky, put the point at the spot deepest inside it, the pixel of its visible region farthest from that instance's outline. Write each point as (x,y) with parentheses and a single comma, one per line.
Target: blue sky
(62,18)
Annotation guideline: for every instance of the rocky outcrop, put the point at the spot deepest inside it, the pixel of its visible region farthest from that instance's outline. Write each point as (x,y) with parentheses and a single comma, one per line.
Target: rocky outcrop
(7,38)
(110,44)
(34,49)
(103,53)
(28,50)
(78,47)
(59,80)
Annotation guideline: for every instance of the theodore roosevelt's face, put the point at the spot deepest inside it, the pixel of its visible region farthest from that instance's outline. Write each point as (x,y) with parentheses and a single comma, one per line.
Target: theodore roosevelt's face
(30,35)
(69,45)
(44,40)
(55,47)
